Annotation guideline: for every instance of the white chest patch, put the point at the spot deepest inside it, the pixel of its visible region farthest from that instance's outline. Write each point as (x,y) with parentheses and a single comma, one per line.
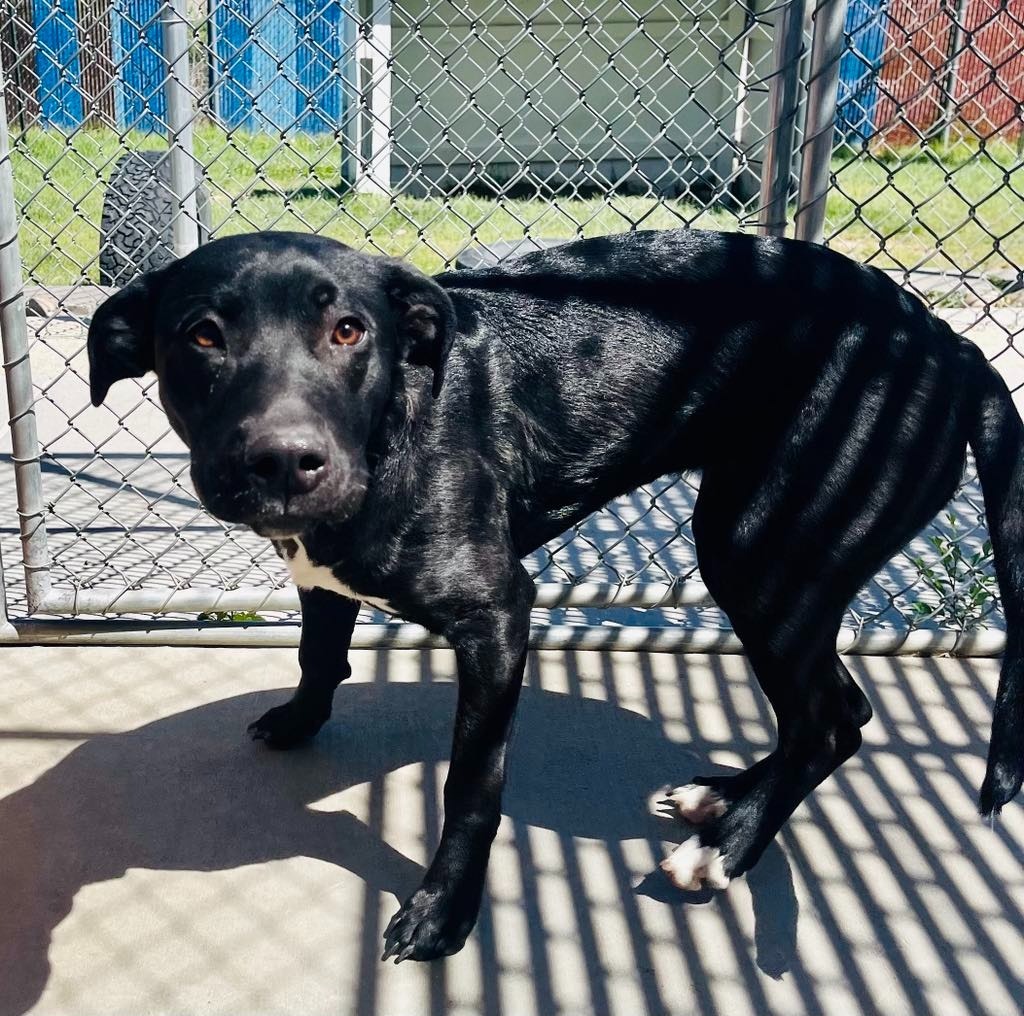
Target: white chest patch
(307,575)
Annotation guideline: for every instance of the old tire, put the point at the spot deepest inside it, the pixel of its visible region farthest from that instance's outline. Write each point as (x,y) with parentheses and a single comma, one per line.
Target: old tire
(136,228)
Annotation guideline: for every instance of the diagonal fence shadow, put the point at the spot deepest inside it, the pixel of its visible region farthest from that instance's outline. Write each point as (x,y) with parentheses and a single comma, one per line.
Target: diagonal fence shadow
(865,888)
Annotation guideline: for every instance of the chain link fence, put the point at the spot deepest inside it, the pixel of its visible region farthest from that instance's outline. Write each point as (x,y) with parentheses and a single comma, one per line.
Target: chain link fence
(448,132)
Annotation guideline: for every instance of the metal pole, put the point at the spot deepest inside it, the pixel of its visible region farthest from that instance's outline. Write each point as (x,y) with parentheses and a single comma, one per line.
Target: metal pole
(212,63)
(956,45)
(819,129)
(18,369)
(180,116)
(550,595)
(675,639)
(5,621)
(782,109)
(375,51)
(351,78)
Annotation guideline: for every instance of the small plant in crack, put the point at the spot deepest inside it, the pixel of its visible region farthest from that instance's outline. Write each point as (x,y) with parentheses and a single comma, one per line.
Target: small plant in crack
(236,616)
(961,589)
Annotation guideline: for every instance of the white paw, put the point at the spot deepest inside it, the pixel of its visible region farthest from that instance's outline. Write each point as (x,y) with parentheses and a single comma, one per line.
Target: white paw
(690,864)
(696,804)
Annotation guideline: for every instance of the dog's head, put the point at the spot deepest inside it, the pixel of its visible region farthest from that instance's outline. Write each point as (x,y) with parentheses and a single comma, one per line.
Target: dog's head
(278,356)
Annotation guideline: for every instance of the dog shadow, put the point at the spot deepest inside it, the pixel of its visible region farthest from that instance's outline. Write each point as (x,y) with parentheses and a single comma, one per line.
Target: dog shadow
(189,792)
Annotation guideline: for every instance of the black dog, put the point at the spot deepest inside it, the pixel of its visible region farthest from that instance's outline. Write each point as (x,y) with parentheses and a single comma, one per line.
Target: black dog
(407,440)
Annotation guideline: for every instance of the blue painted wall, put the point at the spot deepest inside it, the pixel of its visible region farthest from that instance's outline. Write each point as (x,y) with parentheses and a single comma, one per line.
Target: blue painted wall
(57,63)
(280,64)
(136,47)
(858,69)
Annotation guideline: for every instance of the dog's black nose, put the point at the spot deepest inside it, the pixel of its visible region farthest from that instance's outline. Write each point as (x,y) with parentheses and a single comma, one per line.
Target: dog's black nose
(293,464)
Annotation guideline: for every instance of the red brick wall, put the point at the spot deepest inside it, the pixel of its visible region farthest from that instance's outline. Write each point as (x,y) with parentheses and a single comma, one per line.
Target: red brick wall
(990,87)
(988,92)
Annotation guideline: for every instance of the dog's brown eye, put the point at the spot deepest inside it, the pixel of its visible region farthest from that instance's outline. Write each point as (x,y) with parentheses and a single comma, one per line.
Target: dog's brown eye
(348,331)
(206,335)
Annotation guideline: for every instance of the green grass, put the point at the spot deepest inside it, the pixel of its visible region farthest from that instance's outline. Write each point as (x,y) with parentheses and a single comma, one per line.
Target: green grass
(958,209)
(919,203)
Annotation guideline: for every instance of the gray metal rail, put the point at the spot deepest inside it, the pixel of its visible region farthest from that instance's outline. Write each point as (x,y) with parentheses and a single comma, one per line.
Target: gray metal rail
(819,128)
(181,116)
(784,104)
(18,371)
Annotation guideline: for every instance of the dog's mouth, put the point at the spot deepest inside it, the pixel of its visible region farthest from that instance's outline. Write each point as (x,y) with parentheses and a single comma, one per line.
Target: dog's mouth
(273,516)
(279,521)
(279,527)
(270,518)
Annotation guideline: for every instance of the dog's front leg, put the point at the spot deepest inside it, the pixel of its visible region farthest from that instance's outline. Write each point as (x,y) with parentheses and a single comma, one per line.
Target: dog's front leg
(490,649)
(327,623)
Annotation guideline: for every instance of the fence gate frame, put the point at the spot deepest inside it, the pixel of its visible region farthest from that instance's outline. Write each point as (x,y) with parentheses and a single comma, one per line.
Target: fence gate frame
(372,176)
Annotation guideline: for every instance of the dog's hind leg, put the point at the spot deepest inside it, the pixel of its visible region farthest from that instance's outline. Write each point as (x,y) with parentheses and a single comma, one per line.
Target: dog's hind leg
(819,711)
(708,797)
(784,573)
(328,620)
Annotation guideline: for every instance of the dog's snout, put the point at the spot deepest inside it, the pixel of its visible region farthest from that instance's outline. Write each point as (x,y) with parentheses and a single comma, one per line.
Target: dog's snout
(292,464)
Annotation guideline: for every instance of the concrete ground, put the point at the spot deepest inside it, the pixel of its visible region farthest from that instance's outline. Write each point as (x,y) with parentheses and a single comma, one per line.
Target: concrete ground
(154,861)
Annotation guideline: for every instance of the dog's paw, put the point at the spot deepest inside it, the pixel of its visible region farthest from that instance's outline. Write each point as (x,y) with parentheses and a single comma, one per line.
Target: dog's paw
(696,803)
(287,726)
(429,925)
(691,864)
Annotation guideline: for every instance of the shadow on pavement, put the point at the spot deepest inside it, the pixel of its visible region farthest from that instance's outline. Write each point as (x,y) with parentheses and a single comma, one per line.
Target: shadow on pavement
(189,792)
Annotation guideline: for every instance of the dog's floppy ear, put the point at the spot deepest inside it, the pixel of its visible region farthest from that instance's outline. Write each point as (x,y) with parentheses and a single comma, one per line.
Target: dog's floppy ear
(121,335)
(426,318)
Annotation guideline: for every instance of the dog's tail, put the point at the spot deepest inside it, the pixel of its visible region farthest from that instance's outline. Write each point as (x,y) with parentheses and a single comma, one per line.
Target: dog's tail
(997,437)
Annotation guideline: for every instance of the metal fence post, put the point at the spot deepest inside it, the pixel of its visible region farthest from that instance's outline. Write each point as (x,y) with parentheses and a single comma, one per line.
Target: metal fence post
(7,630)
(374,56)
(180,116)
(783,104)
(956,45)
(18,369)
(351,117)
(820,124)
